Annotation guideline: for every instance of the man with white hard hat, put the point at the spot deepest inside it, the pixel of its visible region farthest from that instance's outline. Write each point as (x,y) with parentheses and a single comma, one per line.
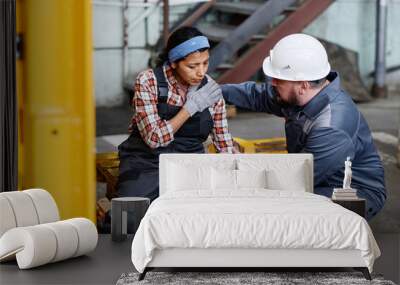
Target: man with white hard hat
(321,117)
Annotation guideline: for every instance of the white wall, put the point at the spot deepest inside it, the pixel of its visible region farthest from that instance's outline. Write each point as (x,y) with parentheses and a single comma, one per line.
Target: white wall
(351,24)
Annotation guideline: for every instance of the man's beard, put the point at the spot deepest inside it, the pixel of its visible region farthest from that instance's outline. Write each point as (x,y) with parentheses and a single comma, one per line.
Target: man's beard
(292,100)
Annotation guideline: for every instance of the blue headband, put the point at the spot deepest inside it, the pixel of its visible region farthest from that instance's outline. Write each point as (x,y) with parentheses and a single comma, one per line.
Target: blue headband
(187,47)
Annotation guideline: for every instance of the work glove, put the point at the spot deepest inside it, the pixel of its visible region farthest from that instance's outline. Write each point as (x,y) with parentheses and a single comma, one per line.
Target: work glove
(205,97)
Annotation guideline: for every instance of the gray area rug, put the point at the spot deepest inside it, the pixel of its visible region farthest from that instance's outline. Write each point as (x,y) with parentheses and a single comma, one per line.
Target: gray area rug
(229,278)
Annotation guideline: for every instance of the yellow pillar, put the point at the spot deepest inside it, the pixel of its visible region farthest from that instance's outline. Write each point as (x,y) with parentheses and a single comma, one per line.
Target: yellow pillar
(58,126)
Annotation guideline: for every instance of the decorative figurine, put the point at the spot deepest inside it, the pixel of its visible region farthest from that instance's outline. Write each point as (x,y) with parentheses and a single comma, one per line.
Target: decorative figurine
(347,174)
(346,192)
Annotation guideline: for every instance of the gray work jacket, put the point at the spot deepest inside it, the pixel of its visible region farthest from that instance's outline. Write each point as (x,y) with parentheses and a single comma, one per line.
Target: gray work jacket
(330,127)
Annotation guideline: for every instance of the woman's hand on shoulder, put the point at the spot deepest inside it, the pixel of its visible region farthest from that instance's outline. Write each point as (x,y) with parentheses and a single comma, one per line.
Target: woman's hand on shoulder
(205,97)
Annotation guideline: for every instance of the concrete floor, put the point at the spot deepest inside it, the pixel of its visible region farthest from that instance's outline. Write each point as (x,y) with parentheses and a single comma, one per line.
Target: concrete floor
(110,260)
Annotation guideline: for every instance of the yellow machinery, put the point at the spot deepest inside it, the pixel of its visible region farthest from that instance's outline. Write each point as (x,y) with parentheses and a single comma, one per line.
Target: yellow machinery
(56,102)
(268,145)
(107,170)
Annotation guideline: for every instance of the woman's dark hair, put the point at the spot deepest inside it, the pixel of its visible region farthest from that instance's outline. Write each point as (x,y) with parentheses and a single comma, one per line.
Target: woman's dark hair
(176,38)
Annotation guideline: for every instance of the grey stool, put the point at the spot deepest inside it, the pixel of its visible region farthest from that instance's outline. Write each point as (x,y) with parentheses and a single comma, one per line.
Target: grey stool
(126,210)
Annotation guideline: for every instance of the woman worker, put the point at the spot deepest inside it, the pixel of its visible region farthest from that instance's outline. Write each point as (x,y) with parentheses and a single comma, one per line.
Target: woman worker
(177,106)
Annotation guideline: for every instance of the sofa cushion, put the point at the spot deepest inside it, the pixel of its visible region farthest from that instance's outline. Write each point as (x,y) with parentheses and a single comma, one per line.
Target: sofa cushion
(87,235)
(45,205)
(40,244)
(27,208)
(7,216)
(67,239)
(32,246)
(23,208)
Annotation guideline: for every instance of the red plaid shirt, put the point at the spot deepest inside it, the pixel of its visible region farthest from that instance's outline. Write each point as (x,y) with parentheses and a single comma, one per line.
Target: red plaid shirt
(157,132)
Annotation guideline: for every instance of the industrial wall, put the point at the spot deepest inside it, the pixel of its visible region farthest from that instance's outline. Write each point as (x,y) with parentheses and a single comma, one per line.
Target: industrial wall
(108,42)
(350,23)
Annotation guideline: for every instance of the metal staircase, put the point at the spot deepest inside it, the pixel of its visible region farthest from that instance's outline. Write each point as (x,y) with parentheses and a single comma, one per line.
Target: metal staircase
(243,32)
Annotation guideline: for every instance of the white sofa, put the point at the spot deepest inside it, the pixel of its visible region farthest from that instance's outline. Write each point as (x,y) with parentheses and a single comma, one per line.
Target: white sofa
(31,231)
(247,210)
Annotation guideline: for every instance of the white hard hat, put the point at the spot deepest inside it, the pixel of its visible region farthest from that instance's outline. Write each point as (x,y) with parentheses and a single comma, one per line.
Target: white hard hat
(297,57)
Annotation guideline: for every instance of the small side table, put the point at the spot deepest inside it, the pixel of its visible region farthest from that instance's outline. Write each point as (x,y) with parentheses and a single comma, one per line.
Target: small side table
(355,205)
(124,211)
